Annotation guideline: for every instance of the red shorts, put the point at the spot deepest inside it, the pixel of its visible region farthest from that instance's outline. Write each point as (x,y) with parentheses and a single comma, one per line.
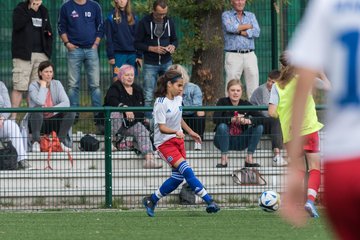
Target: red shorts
(172,150)
(342,196)
(311,142)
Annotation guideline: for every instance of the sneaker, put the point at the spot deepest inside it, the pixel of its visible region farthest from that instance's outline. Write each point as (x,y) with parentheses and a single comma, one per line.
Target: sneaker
(23,164)
(279,161)
(149,206)
(197,146)
(212,208)
(65,148)
(311,209)
(36,147)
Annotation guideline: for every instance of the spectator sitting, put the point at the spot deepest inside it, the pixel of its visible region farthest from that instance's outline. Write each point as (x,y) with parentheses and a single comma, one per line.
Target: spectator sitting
(125,92)
(236,130)
(192,96)
(47,92)
(9,129)
(261,96)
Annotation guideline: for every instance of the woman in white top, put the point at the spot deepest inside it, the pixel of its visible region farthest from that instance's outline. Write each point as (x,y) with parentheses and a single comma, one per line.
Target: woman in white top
(169,140)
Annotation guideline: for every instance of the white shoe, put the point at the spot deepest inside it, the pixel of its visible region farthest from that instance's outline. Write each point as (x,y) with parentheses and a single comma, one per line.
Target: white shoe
(279,161)
(36,147)
(65,148)
(197,146)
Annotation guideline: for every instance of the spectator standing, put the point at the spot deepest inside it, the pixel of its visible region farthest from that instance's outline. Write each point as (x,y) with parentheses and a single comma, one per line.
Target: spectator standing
(31,44)
(192,97)
(47,92)
(120,28)
(240,29)
(80,27)
(156,40)
(261,96)
(125,93)
(236,130)
(9,129)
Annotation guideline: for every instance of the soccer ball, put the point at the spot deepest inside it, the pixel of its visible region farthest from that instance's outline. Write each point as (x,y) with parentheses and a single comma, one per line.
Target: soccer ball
(269,201)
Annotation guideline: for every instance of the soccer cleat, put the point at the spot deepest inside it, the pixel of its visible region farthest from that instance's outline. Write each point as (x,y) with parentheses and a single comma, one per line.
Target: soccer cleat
(149,206)
(311,209)
(279,161)
(212,208)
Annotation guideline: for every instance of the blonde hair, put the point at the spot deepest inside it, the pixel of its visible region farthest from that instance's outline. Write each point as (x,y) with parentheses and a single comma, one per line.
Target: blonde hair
(128,11)
(233,82)
(182,70)
(287,72)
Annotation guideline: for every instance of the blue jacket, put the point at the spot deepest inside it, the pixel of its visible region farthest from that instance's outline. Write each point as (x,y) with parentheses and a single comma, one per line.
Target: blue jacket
(81,23)
(119,37)
(192,97)
(145,37)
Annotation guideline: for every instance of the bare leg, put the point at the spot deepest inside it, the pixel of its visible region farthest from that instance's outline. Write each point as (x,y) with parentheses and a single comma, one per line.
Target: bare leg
(16,97)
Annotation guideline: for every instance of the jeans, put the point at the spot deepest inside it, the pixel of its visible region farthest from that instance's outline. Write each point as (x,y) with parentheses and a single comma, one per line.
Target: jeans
(60,123)
(248,139)
(123,58)
(151,74)
(196,123)
(90,58)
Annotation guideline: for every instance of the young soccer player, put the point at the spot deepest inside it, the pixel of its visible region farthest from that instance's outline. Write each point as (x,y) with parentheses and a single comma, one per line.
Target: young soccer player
(329,38)
(169,140)
(280,105)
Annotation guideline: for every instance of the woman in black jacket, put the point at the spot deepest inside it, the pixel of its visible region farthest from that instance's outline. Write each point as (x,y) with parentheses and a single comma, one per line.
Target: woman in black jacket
(123,93)
(236,130)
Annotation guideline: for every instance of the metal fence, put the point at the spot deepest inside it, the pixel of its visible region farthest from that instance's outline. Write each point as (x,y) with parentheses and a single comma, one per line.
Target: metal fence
(109,178)
(276,19)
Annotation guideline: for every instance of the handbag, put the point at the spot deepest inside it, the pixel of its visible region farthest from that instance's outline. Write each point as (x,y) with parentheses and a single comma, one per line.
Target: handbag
(235,128)
(8,156)
(248,176)
(51,143)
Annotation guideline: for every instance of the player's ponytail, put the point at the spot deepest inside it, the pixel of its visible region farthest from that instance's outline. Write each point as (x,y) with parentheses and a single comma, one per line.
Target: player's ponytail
(172,76)
(287,72)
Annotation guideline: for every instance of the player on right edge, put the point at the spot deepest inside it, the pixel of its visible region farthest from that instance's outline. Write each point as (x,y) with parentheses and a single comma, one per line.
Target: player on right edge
(329,39)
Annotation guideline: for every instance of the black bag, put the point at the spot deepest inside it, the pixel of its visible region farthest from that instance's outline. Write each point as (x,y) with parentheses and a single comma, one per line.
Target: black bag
(8,156)
(186,196)
(89,143)
(248,176)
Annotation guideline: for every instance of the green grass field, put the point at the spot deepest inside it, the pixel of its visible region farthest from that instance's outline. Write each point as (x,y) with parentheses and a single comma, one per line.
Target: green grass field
(168,224)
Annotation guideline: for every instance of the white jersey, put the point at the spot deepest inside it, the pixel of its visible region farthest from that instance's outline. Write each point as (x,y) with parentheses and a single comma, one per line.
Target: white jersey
(168,112)
(329,39)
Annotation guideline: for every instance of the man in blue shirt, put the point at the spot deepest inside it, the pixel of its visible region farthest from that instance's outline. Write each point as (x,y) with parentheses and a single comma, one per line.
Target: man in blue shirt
(80,27)
(240,29)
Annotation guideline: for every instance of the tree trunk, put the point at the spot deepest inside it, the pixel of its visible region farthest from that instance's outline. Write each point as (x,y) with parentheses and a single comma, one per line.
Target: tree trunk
(208,69)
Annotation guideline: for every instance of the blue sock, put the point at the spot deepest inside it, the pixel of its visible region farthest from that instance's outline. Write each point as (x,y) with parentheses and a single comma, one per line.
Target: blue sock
(193,182)
(168,186)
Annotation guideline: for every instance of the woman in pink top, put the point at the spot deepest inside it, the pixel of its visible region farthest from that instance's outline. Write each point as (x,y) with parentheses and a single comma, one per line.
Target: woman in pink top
(47,92)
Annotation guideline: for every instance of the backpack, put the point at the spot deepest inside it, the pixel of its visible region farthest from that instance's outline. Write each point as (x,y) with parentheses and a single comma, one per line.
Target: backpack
(187,195)
(8,156)
(248,176)
(89,143)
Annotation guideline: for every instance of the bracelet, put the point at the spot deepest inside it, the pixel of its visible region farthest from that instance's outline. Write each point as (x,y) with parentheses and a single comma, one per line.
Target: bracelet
(96,44)
(65,43)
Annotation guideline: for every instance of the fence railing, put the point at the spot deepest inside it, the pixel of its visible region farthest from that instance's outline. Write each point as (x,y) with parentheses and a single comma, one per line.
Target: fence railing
(117,179)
